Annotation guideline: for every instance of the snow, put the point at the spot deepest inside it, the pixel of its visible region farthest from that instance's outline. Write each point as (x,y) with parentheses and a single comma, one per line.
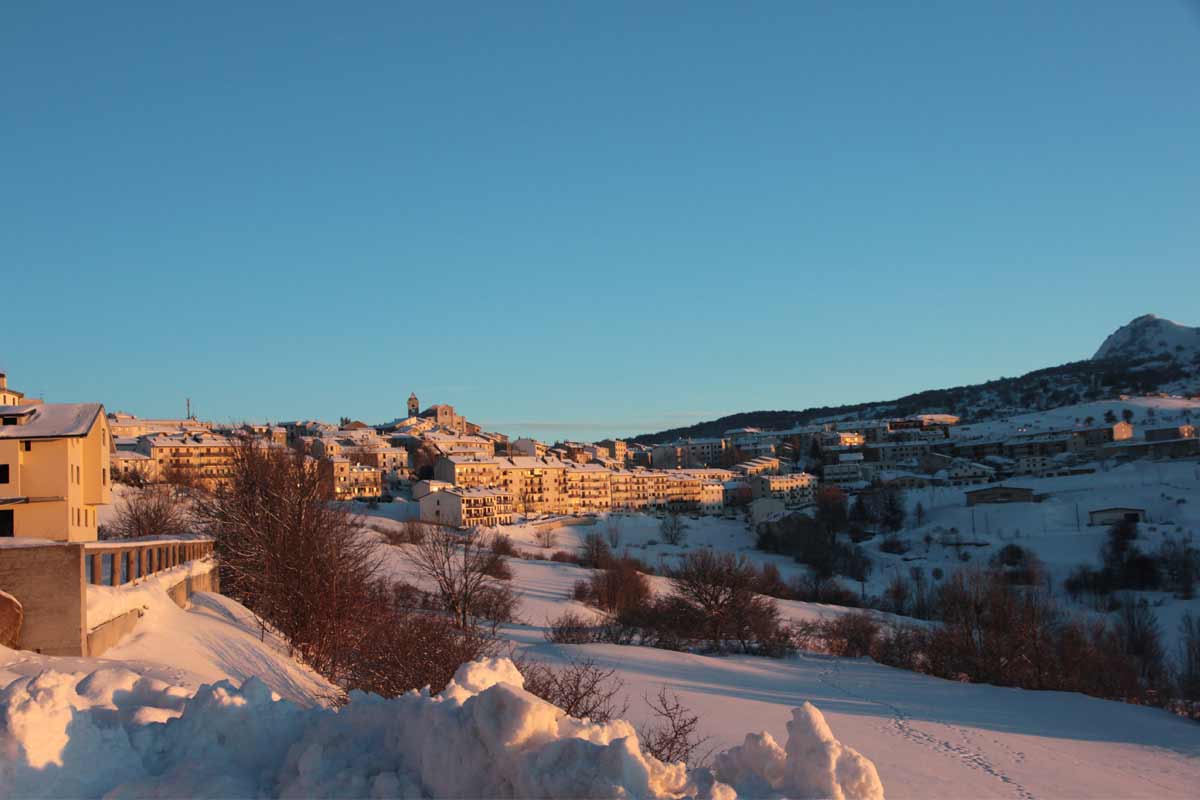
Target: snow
(109,602)
(214,639)
(116,733)
(1149,336)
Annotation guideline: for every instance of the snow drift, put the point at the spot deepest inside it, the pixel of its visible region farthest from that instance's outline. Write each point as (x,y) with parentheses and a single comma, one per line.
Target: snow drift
(115,733)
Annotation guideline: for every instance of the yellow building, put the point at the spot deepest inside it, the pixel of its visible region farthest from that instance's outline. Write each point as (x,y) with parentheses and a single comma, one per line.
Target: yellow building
(467,508)
(205,459)
(352,480)
(54,470)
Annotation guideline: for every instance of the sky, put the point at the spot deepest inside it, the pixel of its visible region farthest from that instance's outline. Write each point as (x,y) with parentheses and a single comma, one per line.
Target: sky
(584,219)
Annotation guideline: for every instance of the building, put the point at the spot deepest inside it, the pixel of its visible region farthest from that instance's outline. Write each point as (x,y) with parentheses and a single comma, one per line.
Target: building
(414,405)
(1109,516)
(54,470)
(467,508)
(203,458)
(127,426)
(616,448)
(798,488)
(528,447)
(1000,494)
(129,465)
(763,465)
(352,480)
(1170,433)
(11,397)
(712,497)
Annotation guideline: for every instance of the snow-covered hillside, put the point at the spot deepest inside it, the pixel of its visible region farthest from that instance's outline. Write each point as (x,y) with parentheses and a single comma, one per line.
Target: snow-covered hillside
(927,737)
(1148,337)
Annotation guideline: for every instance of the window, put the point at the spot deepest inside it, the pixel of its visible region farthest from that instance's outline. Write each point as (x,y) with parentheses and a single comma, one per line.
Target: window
(7,528)
(28,445)
(3,473)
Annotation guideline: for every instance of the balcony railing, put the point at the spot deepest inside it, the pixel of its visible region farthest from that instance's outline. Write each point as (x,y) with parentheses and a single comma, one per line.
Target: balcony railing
(117,563)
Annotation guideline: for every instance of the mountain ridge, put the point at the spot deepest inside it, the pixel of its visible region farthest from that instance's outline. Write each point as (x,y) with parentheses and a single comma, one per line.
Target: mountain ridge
(1138,365)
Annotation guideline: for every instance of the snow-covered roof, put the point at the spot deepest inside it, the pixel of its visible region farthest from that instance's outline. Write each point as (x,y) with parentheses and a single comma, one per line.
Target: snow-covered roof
(50,420)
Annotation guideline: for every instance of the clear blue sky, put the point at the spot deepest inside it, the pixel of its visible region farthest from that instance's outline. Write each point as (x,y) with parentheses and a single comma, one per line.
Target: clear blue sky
(584,218)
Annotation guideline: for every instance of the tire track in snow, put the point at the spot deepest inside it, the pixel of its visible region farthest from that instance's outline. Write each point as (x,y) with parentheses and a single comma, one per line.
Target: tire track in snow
(901,725)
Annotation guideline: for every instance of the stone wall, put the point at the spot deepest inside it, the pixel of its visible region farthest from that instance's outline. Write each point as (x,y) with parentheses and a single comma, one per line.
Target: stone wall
(48,582)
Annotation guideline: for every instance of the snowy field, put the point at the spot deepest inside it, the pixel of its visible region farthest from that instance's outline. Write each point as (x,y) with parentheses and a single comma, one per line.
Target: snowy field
(927,737)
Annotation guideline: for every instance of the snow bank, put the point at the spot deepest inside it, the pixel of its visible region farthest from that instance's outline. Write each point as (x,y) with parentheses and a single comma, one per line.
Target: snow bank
(116,733)
(105,603)
(815,764)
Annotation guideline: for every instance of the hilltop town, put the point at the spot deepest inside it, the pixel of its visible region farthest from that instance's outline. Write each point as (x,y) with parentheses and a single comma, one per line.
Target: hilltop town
(139,550)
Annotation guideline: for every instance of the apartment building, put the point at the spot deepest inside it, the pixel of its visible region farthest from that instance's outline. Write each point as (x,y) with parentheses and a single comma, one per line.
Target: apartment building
(798,488)
(128,426)
(459,444)
(1170,432)
(617,449)
(763,465)
(54,470)
(351,480)
(200,457)
(588,488)
(467,470)
(463,508)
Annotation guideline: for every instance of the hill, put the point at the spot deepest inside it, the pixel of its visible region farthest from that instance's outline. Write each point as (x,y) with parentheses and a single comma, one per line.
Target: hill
(1151,337)
(1148,356)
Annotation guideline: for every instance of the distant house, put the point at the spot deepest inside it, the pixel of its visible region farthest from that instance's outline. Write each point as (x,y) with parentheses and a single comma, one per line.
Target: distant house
(1000,494)
(1109,516)
(1170,433)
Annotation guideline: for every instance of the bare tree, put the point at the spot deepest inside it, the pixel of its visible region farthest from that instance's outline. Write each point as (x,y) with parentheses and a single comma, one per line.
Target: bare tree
(546,537)
(673,529)
(154,511)
(612,530)
(461,566)
(298,561)
(672,736)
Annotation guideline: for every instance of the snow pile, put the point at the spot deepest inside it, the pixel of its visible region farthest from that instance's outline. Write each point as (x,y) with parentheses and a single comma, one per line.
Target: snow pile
(815,763)
(116,733)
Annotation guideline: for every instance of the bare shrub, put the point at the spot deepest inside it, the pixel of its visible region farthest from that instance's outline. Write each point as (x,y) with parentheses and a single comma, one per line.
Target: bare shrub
(570,628)
(546,538)
(672,736)
(580,688)
(411,531)
(582,591)
(851,635)
(595,552)
(619,587)
(411,649)
(502,545)
(563,557)
(154,511)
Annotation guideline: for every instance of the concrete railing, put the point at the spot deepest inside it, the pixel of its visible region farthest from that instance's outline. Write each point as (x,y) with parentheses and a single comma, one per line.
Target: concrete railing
(117,563)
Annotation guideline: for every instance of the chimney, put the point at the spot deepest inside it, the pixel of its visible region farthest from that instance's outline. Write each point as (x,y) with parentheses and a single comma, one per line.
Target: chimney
(3,381)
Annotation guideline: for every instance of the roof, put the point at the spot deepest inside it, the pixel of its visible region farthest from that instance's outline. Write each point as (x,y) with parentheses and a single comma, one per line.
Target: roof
(51,420)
